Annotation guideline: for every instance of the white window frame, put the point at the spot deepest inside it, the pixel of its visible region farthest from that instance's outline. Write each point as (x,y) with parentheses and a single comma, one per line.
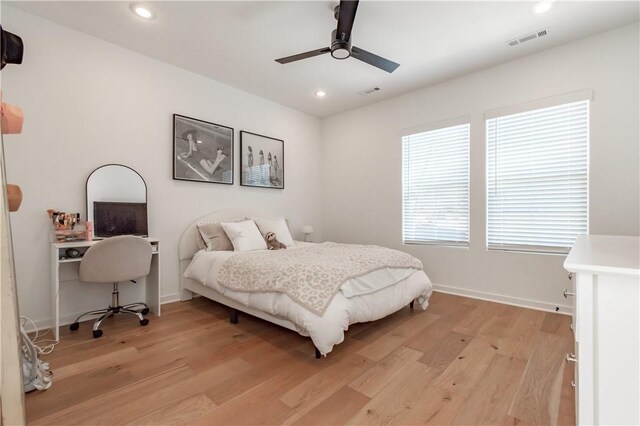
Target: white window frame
(580,96)
(441,125)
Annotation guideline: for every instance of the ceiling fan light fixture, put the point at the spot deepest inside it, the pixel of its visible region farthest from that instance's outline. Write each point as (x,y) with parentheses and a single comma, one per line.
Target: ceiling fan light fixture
(340,49)
(340,53)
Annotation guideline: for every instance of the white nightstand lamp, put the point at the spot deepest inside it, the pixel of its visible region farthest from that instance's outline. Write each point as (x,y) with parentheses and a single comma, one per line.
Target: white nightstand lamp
(307,230)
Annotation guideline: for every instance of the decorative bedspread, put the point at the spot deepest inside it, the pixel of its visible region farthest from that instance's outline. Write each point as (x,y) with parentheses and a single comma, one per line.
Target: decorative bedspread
(312,275)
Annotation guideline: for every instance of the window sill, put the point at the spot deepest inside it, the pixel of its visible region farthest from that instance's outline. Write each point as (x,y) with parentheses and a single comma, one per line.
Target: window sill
(529,251)
(436,244)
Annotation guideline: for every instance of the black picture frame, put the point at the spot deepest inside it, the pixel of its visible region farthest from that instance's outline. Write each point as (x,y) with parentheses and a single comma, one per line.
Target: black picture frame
(208,156)
(259,163)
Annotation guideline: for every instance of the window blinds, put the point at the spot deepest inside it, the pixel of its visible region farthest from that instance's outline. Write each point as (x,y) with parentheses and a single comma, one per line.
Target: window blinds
(435,187)
(537,178)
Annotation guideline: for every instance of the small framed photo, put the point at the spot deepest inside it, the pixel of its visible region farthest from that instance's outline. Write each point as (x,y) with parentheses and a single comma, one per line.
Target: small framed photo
(202,151)
(261,161)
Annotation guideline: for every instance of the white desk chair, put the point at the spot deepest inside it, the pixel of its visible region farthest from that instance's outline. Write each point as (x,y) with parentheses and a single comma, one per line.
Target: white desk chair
(112,260)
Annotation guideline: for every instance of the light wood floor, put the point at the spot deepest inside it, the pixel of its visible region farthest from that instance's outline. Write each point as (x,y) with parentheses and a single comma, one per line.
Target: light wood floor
(463,361)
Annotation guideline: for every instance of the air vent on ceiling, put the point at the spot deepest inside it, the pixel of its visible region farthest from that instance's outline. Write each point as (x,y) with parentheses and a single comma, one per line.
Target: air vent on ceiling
(522,39)
(369,91)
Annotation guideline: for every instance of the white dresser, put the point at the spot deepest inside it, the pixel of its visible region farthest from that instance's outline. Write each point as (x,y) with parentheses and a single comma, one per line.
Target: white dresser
(606,325)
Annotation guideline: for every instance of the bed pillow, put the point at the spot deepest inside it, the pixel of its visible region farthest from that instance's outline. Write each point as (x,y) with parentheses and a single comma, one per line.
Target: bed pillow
(214,237)
(278,226)
(245,235)
(208,230)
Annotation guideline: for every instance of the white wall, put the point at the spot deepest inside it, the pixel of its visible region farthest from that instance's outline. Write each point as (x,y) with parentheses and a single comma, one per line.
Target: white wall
(87,103)
(362,162)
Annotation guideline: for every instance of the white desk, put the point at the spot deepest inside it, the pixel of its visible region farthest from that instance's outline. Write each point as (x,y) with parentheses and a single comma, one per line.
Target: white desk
(58,258)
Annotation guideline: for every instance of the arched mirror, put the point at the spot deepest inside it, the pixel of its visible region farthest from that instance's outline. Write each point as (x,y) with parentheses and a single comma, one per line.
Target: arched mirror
(117,201)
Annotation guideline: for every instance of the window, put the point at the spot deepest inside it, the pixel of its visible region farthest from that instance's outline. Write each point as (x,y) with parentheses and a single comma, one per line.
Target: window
(537,178)
(435,187)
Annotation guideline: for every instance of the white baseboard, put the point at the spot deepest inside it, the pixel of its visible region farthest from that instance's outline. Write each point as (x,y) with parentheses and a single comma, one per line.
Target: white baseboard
(170,298)
(40,324)
(508,300)
(45,323)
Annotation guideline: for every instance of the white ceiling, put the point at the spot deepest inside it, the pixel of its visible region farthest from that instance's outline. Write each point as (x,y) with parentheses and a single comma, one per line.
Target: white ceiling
(236,42)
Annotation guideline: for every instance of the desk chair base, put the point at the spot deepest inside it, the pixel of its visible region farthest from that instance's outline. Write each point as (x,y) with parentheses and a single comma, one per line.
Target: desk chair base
(116,309)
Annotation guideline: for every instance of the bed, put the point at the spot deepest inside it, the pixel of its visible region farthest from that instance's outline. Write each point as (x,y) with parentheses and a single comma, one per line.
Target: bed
(200,270)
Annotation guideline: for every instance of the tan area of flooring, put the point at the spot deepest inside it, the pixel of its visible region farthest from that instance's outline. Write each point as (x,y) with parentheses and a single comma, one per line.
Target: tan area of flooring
(462,361)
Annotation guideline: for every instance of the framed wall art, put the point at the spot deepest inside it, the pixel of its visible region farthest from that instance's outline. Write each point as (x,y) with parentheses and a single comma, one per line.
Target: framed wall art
(202,151)
(261,161)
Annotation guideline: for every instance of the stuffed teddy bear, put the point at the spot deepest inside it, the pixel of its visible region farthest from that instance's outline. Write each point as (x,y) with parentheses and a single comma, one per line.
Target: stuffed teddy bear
(272,242)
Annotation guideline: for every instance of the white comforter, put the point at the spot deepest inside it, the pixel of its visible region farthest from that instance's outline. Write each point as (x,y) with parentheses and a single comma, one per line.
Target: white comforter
(362,299)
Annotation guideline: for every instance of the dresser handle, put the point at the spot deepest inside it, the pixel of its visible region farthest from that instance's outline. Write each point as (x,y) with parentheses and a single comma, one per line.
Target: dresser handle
(571,358)
(571,326)
(570,275)
(566,293)
(573,384)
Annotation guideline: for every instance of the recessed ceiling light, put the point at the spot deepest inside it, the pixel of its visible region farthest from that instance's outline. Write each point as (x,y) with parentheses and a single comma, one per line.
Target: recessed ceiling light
(321,93)
(542,7)
(142,11)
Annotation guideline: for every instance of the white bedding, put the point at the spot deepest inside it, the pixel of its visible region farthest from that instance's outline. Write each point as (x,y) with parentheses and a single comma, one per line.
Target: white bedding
(362,299)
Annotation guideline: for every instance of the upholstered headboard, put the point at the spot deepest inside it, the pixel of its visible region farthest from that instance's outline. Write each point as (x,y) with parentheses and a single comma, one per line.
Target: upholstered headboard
(188,246)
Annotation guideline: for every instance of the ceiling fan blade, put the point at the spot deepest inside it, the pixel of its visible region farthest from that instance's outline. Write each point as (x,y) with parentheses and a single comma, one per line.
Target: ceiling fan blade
(305,55)
(375,60)
(346,16)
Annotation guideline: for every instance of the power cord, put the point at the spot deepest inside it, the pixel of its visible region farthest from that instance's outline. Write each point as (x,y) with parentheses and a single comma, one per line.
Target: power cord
(49,344)
(35,372)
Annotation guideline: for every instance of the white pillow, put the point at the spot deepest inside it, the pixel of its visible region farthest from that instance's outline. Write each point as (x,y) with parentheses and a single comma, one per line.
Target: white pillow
(278,226)
(244,235)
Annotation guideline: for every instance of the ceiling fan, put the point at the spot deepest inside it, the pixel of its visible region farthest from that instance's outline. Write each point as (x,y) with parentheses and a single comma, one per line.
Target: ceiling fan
(341,47)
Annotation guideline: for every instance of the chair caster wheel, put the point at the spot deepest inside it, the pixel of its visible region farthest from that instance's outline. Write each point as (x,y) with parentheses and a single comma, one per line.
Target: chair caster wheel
(145,311)
(97,333)
(74,326)
(144,322)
